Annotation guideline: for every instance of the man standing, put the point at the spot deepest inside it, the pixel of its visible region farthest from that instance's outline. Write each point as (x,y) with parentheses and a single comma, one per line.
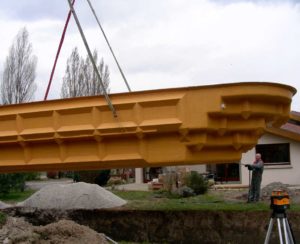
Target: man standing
(257,170)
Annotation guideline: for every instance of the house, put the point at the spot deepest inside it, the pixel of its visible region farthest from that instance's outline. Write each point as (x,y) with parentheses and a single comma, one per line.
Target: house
(280,149)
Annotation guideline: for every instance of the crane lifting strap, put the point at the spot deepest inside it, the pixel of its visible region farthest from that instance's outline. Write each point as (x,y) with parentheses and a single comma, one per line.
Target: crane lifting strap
(58,52)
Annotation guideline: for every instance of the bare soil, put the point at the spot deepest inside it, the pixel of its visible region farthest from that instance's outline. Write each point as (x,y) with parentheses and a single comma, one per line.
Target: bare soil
(160,226)
(17,230)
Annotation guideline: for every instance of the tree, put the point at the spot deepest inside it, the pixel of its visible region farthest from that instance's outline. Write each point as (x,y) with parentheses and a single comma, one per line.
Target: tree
(72,80)
(80,78)
(17,85)
(92,85)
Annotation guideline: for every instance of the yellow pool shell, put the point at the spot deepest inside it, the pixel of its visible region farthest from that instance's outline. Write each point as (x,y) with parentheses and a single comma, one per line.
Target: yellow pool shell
(192,125)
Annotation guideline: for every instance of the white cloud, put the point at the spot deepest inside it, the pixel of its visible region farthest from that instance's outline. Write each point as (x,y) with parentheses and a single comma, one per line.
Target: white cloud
(171,43)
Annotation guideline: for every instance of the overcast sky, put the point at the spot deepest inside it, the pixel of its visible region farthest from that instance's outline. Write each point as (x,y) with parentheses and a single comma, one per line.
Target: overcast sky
(165,43)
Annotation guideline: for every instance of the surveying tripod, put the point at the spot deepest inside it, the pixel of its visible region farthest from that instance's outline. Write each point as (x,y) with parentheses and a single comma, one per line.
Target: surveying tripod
(250,169)
(279,203)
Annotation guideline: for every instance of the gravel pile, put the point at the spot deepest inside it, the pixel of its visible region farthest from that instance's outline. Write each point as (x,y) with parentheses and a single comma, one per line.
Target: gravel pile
(266,192)
(294,192)
(73,196)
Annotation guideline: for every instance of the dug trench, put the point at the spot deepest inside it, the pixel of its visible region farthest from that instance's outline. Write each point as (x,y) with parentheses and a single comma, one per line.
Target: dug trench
(168,226)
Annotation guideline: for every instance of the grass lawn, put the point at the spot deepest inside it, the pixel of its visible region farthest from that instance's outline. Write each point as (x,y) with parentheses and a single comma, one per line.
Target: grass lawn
(147,200)
(138,200)
(16,196)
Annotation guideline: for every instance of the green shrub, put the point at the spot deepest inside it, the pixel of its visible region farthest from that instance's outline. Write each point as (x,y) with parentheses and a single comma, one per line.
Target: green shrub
(196,182)
(113,181)
(15,182)
(32,176)
(102,177)
(9,182)
(99,177)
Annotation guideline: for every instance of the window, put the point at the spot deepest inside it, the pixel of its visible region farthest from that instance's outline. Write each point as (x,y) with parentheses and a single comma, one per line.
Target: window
(274,153)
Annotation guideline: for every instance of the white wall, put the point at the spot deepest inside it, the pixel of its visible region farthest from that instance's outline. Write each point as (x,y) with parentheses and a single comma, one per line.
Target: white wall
(287,174)
(139,176)
(201,168)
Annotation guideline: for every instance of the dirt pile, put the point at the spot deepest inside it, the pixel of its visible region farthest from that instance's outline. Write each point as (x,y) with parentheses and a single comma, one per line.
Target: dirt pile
(16,230)
(73,196)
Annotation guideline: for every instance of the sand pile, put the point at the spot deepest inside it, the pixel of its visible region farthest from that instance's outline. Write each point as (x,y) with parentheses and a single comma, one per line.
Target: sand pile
(73,196)
(16,230)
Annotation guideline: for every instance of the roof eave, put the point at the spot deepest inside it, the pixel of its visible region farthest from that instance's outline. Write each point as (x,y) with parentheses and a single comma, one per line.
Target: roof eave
(283,133)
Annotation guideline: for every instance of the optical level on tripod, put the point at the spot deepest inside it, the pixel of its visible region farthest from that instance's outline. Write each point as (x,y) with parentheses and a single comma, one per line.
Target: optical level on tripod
(280,200)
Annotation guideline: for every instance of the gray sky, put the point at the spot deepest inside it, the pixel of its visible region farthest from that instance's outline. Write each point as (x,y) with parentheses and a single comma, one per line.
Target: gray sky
(166,43)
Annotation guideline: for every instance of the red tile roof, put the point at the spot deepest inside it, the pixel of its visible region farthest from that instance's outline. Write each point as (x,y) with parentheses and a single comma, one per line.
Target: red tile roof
(291,128)
(295,113)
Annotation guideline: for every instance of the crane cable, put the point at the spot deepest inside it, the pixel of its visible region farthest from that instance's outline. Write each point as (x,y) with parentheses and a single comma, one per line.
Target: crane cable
(58,52)
(115,58)
(92,60)
(111,50)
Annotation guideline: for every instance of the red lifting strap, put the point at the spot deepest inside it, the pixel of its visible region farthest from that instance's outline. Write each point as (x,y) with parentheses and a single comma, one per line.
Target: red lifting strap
(58,51)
